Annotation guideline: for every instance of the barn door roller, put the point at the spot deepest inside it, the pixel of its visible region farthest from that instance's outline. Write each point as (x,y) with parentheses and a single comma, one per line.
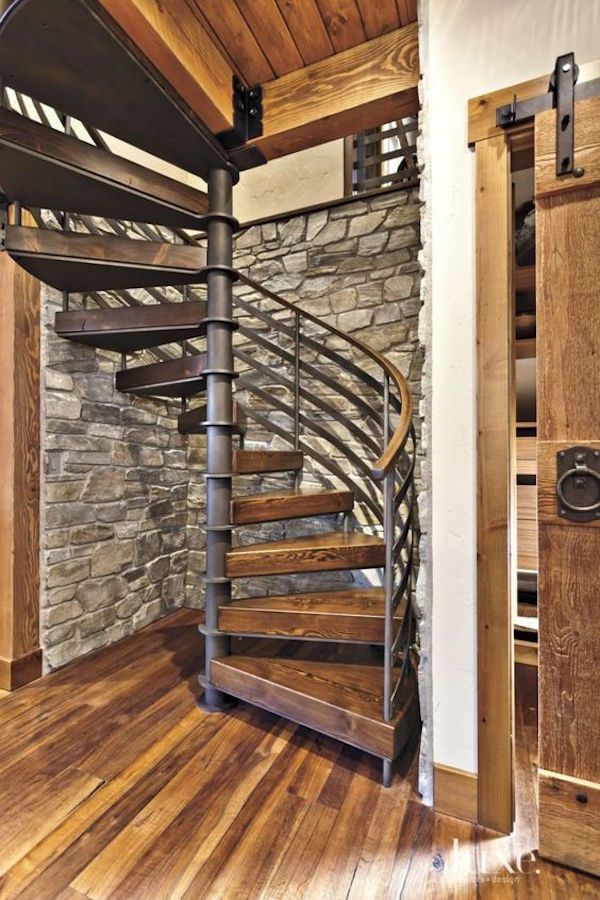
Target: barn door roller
(563,92)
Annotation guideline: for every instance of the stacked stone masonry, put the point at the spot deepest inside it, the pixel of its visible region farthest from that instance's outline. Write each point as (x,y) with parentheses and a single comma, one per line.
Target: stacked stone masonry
(123,496)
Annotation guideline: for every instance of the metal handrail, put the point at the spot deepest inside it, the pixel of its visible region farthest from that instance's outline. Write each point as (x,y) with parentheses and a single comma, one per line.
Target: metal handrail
(391,474)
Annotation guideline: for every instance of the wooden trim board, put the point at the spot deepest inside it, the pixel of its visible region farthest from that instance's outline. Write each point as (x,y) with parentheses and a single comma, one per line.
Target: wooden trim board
(496,465)
(20,657)
(455,792)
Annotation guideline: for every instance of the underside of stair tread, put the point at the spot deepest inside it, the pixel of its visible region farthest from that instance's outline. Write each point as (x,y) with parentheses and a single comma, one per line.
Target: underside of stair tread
(173,378)
(194,420)
(83,262)
(340,699)
(351,614)
(133,328)
(273,505)
(45,168)
(312,553)
(252,462)
(78,61)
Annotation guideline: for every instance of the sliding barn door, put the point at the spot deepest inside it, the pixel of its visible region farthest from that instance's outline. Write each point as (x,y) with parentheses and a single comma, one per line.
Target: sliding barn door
(568,353)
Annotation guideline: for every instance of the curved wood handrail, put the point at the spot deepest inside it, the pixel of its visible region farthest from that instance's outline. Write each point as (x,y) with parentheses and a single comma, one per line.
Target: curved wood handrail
(401,433)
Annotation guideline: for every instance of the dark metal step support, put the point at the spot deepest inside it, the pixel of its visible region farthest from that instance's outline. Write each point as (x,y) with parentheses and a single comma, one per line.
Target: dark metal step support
(220,374)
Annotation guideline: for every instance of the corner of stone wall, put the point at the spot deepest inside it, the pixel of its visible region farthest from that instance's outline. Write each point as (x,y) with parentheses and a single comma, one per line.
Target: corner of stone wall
(425,579)
(118,529)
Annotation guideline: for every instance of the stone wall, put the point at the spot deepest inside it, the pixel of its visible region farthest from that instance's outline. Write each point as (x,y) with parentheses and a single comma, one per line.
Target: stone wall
(122,494)
(118,522)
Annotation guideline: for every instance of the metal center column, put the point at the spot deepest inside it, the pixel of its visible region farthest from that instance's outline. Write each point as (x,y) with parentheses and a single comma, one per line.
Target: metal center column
(219,421)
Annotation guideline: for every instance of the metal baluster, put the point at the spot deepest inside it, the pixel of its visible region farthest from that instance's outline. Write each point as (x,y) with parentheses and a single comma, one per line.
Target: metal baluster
(123,360)
(388,536)
(298,475)
(388,584)
(66,120)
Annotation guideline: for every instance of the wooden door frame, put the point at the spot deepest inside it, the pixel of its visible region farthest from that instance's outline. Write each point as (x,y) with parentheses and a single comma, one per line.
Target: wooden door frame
(496,463)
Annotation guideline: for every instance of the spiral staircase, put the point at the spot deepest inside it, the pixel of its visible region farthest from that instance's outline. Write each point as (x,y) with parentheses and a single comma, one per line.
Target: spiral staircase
(316,404)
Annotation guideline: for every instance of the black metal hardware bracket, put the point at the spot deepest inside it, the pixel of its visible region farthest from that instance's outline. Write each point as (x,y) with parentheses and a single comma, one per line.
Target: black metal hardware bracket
(247,116)
(578,484)
(563,92)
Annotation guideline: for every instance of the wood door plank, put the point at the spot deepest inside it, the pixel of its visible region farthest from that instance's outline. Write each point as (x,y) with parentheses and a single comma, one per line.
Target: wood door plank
(272,33)
(237,38)
(496,464)
(570,821)
(569,651)
(380,17)
(568,325)
(587,142)
(307,28)
(567,298)
(343,22)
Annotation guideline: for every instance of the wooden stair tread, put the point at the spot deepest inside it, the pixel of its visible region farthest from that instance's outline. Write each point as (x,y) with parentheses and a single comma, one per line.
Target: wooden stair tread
(350,614)
(273,505)
(194,420)
(312,553)
(173,378)
(44,168)
(133,328)
(339,699)
(84,262)
(79,61)
(251,462)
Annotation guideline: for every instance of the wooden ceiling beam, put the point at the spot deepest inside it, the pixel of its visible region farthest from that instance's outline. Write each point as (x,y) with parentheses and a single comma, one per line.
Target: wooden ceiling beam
(178,46)
(360,88)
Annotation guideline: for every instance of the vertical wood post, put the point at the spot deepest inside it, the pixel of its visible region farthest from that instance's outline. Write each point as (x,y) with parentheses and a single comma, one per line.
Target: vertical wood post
(20,654)
(496,465)
(219,426)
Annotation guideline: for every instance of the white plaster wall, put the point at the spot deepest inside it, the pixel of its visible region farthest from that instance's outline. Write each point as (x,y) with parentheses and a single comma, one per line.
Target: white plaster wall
(301,179)
(292,182)
(473,46)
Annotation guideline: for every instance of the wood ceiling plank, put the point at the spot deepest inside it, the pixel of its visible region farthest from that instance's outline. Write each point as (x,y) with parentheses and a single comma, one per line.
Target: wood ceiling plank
(363,87)
(232,29)
(379,17)
(407,11)
(343,22)
(270,30)
(307,27)
(175,42)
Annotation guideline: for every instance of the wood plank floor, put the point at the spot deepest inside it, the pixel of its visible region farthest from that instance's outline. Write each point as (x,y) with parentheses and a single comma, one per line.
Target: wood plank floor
(113,784)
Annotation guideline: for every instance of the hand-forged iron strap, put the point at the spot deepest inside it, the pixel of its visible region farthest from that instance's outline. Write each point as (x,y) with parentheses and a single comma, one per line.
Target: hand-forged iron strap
(404,582)
(359,433)
(404,426)
(246,384)
(315,373)
(401,542)
(329,464)
(397,645)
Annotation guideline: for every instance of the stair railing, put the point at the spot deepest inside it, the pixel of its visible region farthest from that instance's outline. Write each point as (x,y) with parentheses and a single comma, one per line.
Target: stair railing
(380,424)
(304,395)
